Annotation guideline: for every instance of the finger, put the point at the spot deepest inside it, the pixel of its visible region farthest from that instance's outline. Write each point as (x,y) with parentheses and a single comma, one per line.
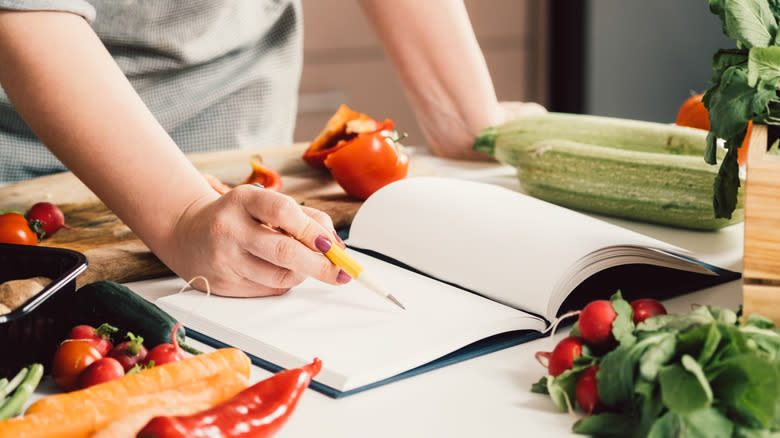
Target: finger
(325,220)
(289,257)
(281,211)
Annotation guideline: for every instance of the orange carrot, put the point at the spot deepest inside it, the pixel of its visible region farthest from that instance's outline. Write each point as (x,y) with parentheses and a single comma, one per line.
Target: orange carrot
(84,419)
(188,400)
(159,378)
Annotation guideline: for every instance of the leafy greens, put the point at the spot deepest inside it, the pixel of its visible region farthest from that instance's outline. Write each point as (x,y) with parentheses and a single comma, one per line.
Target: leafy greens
(704,373)
(745,85)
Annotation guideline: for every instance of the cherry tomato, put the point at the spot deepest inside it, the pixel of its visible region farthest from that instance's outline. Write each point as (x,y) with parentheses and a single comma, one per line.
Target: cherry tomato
(71,358)
(368,163)
(102,370)
(644,308)
(15,229)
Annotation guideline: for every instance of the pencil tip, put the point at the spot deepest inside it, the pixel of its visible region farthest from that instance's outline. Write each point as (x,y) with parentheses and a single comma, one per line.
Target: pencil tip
(398,303)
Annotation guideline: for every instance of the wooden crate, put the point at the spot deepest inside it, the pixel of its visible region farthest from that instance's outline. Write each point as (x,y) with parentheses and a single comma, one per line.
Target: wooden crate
(761,262)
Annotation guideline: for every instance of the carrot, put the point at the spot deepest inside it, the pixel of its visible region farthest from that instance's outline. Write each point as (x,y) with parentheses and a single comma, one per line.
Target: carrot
(84,419)
(190,399)
(156,379)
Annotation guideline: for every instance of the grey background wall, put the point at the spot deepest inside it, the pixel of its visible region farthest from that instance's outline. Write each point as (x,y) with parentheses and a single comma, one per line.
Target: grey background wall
(642,58)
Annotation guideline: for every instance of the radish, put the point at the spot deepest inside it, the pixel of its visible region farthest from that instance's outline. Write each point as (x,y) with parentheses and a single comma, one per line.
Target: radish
(129,353)
(165,353)
(595,323)
(46,219)
(100,337)
(563,355)
(587,391)
(644,308)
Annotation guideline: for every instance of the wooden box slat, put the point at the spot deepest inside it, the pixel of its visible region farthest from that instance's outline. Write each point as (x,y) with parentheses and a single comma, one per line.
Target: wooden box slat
(761,260)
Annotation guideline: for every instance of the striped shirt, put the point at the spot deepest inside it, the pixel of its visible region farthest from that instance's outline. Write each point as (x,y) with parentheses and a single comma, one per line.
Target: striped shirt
(217,74)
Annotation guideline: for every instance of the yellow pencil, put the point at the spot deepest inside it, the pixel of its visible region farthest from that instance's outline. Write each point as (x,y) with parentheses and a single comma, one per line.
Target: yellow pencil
(341,259)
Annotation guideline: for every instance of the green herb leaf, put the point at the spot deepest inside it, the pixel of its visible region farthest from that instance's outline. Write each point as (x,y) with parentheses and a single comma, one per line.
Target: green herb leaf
(708,423)
(764,64)
(750,22)
(540,387)
(606,425)
(747,386)
(683,391)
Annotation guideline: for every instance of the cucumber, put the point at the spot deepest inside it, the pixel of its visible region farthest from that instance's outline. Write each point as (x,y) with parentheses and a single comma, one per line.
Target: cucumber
(643,171)
(113,303)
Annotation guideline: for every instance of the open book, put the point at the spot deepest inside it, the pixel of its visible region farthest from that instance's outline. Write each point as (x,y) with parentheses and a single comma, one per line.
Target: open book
(478,267)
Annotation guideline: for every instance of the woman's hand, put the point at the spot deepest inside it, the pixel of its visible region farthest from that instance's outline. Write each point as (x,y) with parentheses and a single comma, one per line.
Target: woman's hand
(251,242)
(451,136)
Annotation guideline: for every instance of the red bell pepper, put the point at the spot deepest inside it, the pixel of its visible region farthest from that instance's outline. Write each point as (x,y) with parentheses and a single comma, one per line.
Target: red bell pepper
(263,175)
(258,411)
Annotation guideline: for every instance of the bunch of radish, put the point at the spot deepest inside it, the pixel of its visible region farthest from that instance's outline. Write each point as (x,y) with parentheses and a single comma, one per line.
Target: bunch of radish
(88,356)
(593,335)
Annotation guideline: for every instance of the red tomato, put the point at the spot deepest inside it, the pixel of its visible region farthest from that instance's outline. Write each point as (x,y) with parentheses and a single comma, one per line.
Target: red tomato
(71,358)
(368,163)
(102,370)
(644,308)
(15,229)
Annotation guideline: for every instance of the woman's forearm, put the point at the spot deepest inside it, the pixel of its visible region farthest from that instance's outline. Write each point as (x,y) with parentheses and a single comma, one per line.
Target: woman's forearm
(69,90)
(445,77)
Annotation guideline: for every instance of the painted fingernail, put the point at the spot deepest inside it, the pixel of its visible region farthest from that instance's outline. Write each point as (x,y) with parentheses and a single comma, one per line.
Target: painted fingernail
(322,243)
(338,239)
(343,277)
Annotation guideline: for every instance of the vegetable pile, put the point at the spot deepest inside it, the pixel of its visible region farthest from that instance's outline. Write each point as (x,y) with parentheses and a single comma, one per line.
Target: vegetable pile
(745,87)
(704,373)
(88,356)
(42,220)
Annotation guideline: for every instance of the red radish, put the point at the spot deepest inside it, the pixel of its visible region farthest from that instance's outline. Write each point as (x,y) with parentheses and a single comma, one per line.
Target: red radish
(100,337)
(644,308)
(129,353)
(563,355)
(165,353)
(595,323)
(587,391)
(46,219)
(102,370)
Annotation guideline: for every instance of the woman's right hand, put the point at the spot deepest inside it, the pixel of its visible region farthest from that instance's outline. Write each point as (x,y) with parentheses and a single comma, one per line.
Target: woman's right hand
(251,242)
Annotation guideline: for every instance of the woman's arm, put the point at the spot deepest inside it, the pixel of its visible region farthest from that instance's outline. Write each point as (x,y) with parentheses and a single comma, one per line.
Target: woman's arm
(432,45)
(69,90)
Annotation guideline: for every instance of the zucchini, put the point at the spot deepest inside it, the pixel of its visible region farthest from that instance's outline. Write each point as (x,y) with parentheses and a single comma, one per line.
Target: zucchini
(636,170)
(109,302)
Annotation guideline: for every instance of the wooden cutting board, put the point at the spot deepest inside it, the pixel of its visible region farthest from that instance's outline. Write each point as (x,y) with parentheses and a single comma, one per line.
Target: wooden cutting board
(115,253)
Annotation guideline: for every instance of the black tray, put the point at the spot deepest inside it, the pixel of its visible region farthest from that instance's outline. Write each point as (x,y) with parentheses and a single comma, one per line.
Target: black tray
(31,332)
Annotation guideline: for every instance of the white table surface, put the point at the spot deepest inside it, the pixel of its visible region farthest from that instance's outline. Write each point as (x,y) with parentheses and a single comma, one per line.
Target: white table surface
(489,395)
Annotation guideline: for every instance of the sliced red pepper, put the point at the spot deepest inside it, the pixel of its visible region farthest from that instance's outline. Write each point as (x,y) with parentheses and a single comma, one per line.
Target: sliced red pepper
(263,175)
(258,411)
(344,125)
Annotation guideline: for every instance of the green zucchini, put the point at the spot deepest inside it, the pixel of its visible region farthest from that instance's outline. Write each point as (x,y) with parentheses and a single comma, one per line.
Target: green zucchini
(109,302)
(643,171)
